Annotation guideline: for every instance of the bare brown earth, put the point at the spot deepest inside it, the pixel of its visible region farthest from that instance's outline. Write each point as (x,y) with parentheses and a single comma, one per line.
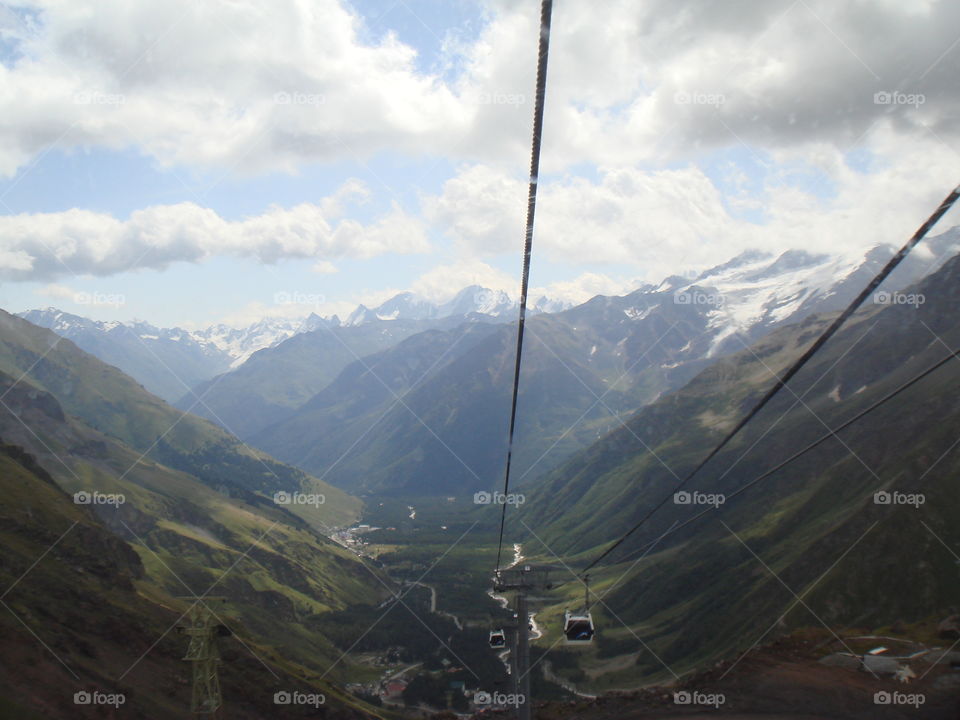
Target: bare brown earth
(783,680)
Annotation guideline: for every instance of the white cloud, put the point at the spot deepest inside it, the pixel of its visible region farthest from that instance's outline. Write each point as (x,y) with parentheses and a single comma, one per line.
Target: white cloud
(583,287)
(442,282)
(643,219)
(76,242)
(274,86)
(324,267)
(654,223)
(350,192)
(58,292)
(216,83)
(481,207)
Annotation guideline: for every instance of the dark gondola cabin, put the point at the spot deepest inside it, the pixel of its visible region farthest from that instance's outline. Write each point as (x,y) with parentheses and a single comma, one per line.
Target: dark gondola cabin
(497,639)
(578,628)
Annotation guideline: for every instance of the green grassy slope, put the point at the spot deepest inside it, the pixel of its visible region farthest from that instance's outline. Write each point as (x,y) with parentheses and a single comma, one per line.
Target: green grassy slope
(83,613)
(273,382)
(195,518)
(715,586)
(109,401)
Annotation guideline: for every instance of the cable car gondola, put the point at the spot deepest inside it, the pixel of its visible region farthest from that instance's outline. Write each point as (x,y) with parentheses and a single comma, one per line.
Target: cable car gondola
(498,639)
(578,628)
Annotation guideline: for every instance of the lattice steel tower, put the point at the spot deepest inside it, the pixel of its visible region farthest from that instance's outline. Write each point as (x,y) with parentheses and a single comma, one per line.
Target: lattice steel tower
(204,654)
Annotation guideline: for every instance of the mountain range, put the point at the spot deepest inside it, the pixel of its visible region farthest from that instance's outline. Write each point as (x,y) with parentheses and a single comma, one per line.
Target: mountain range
(169,362)
(428,415)
(425,373)
(276,381)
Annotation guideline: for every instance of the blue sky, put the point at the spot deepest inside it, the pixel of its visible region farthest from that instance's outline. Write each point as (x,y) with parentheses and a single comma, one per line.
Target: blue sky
(122,181)
(352,151)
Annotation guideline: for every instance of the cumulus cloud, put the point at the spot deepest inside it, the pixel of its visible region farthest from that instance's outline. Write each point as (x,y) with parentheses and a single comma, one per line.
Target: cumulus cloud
(655,223)
(633,217)
(76,242)
(273,86)
(215,83)
(57,292)
(324,267)
(442,282)
(583,287)
(481,207)
(697,75)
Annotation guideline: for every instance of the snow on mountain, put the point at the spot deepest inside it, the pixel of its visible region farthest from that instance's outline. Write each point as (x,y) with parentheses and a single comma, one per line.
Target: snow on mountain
(169,361)
(472,300)
(746,296)
(241,343)
(361,315)
(755,290)
(215,341)
(406,306)
(476,299)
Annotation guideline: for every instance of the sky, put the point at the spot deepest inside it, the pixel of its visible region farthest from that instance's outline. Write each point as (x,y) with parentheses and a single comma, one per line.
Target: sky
(192,163)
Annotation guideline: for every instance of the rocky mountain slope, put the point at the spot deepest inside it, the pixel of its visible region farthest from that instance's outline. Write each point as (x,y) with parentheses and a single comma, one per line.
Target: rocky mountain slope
(426,417)
(860,528)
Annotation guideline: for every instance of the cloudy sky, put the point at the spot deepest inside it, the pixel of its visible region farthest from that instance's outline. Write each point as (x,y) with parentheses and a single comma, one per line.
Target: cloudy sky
(188,162)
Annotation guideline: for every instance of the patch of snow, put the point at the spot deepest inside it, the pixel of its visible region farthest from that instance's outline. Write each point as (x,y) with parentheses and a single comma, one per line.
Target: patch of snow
(637,314)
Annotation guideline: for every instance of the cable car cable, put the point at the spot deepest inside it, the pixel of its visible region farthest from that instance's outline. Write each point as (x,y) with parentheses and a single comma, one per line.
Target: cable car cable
(546,10)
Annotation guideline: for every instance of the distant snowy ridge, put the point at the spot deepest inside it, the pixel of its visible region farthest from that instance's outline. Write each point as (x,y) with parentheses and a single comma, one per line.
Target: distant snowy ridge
(237,344)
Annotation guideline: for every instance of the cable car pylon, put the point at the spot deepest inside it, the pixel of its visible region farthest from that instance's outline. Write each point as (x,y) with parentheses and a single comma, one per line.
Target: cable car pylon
(522,579)
(204,655)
